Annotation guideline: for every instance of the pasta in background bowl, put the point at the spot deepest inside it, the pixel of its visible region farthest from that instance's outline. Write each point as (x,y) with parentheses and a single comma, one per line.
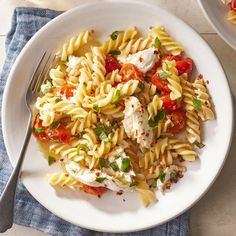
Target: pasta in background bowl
(106,95)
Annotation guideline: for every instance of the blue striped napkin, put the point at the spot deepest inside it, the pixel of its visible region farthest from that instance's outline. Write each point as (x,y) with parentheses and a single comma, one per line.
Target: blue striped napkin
(28,212)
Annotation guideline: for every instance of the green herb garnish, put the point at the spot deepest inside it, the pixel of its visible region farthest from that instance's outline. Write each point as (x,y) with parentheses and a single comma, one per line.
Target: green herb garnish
(79,135)
(161,114)
(96,108)
(114,166)
(115,52)
(197,104)
(55,125)
(125,165)
(114,35)
(101,132)
(104,163)
(116,98)
(38,130)
(162,74)
(199,145)
(154,183)
(162,177)
(141,86)
(157,43)
(134,183)
(58,100)
(100,179)
(48,88)
(51,160)
(173,175)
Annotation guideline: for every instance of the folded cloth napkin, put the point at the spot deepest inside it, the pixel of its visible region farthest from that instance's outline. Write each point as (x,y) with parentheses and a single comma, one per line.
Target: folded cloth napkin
(28,212)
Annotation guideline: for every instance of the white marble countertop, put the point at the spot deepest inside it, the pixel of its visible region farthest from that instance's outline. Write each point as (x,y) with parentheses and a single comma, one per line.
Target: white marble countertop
(215,213)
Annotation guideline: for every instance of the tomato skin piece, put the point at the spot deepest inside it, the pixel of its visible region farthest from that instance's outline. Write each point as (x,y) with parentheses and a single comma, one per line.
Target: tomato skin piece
(38,125)
(178,118)
(233,5)
(184,66)
(130,72)
(67,91)
(60,134)
(170,105)
(111,64)
(161,84)
(98,191)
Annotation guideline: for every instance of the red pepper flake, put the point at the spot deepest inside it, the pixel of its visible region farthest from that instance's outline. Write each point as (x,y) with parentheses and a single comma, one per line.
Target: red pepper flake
(97,174)
(200,76)
(66,175)
(207,81)
(141,59)
(123,200)
(61,159)
(99,196)
(155,52)
(132,106)
(120,192)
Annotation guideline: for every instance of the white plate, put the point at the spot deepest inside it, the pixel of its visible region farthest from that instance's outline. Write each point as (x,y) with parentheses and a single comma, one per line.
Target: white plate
(110,213)
(215,11)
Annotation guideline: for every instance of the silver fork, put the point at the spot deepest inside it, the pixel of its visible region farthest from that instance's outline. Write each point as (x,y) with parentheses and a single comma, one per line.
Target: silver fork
(7,200)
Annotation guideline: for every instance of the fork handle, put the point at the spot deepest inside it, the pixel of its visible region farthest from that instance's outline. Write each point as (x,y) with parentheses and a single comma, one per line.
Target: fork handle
(7,200)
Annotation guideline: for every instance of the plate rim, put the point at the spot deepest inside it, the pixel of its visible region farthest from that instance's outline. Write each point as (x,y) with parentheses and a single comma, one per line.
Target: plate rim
(211,22)
(10,79)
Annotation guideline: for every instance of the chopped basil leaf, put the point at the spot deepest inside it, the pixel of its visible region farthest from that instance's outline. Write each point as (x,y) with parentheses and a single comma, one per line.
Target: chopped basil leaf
(114,52)
(116,98)
(157,43)
(51,160)
(114,35)
(162,74)
(58,100)
(104,163)
(199,145)
(141,86)
(173,175)
(125,165)
(55,125)
(114,166)
(81,147)
(38,130)
(100,179)
(161,114)
(96,108)
(162,177)
(197,104)
(134,183)
(48,88)
(154,183)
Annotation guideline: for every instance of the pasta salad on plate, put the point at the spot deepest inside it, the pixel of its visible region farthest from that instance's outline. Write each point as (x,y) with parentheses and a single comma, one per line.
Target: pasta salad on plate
(122,115)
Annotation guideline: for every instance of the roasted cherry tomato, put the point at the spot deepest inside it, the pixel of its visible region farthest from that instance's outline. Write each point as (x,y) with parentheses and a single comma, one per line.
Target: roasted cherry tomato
(179,121)
(170,105)
(38,130)
(111,64)
(60,134)
(233,5)
(161,84)
(98,191)
(129,72)
(67,91)
(184,66)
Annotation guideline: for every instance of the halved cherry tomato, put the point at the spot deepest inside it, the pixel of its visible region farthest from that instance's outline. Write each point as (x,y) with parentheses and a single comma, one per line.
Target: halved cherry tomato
(94,190)
(179,120)
(233,5)
(170,105)
(129,72)
(60,134)
(161,84)
(67,91)
(38,130)
(184,66)
(111,64)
